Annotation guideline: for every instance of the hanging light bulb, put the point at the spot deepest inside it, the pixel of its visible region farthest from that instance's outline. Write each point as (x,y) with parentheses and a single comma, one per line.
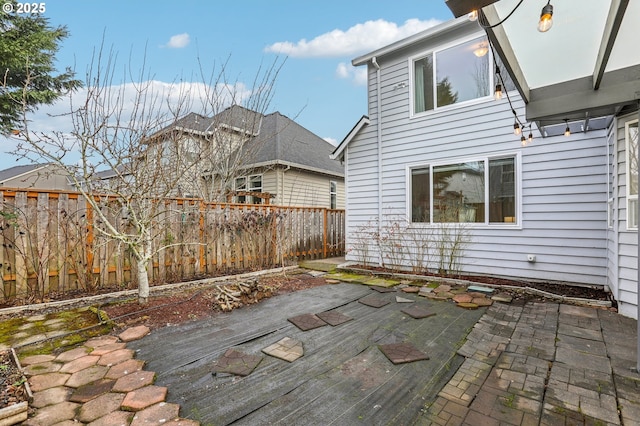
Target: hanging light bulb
(498,92)
(530,136)
(481,50)
(546,18)
(516,128)
(523,141)
(567,130)
(473,15)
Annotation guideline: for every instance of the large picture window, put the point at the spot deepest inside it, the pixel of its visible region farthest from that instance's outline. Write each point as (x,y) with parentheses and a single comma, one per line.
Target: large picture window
(631,136)
(477,191)
(455,74)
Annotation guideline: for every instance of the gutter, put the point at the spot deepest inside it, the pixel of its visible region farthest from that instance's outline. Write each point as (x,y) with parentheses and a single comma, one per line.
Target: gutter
(379,142)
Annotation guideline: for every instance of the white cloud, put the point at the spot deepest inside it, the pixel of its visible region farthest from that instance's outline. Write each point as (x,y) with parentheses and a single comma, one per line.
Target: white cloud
(332,141)
(179,41)
(358,76)
(358,39)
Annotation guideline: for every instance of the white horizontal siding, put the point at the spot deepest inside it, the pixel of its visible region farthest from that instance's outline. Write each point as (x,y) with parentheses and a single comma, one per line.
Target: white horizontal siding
(564,181)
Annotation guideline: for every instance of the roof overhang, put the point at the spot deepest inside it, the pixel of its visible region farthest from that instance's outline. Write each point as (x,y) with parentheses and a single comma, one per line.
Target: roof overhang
(338,152)
(587,65)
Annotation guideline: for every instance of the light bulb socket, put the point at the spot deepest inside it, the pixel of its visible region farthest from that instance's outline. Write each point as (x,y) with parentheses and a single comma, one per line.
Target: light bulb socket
(516,129)
(530,137)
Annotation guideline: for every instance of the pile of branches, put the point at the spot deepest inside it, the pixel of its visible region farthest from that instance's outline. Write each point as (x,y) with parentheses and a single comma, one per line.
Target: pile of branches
(235,295)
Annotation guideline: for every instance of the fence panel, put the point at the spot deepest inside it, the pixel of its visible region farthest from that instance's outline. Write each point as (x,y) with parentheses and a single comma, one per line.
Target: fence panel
(52,241)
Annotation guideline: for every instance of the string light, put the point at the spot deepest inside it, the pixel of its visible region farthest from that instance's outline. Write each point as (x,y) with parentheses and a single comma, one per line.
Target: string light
(516,128)
(473,15)
(523,141)
(567,130)
(546,18)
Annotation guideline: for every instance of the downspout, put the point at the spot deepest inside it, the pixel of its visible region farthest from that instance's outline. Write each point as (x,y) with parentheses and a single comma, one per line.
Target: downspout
(638,267)
(379,141)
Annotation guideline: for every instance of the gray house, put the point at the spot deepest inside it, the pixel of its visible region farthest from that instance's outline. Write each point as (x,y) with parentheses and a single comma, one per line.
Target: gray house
(247,157)
(35,176)
(437,153)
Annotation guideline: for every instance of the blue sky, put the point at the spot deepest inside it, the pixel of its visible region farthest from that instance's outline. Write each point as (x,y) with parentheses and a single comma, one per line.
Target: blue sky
(317,86)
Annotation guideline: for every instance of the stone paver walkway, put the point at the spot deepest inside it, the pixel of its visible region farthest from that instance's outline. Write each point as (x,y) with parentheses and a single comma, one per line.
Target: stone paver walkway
(98,384)
(545,364)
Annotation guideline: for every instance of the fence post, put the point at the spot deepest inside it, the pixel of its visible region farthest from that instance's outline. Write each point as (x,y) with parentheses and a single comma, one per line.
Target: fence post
(324,233)
(203,247)
(90,230)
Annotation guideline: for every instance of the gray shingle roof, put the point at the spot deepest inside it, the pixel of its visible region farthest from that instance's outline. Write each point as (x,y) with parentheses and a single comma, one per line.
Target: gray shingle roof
(15,171)
(282,140)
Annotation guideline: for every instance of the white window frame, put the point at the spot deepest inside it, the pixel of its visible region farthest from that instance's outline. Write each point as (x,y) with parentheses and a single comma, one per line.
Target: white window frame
(333,194)
(517,156)
(632,200)
(433,53)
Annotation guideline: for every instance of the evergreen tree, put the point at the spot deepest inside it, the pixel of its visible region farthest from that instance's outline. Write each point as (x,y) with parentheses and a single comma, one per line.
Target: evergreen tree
(28,78)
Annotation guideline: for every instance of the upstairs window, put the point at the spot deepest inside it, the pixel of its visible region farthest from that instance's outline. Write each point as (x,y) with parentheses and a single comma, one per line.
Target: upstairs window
(455,74)
(333,194)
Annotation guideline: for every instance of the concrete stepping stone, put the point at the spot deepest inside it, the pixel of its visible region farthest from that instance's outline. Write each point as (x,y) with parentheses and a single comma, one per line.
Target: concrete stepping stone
(116,357)
(482,301)
(399,353)
(463,298)
(134,381)
(306,322)
(36,359)
(105,349)
(73,354)
(92,390)
(425,291)
(142,398)
(96,342)
(46,381)
(115,418)
(502,297)
(134,333)
(54,414)
(468,305)
(374,300)
(411,289)
(157,414)
(480,289)
(381,289)
(50,396)
(124,368)
(86,376)
(100,407)
(43,368)
(236,362)
(287,349)
(334,318)
(403,300)
(417,312)
(79,364)
(442,288)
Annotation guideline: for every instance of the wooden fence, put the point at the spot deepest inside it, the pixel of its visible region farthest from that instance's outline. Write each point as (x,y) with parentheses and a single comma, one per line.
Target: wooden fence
(51,243)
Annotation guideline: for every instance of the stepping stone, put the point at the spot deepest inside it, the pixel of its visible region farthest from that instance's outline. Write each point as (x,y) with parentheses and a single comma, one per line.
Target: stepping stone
(287,349)
(306,322)
(374,300)
(442,288)
(468,305)
(417,312)
(480,289)
(476,294)
(403,300)
(134,333)
(482,301)
(463,298)
(411,289)
(425,291)
(333,318)
(502,297)
(399,353)
(236,362)
(92,390)
(383,289)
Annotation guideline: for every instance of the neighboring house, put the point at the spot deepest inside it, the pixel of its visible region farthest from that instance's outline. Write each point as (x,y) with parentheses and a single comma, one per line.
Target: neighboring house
(437,150)
(35,176)
(247,157)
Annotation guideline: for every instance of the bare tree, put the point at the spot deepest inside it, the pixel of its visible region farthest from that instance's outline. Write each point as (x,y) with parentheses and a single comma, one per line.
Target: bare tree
(117,128)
